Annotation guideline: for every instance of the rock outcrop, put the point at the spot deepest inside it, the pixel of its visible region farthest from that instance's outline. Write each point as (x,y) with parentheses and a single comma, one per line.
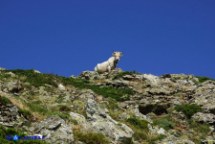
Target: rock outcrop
(100,121)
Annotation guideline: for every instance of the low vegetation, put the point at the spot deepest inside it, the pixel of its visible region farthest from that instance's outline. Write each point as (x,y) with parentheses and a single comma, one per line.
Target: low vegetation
(141,131)
(203,79)
(201,131)
(90,137)
(119,94)
(4,76)
(121,74)
(36,79)
(138,123)
(188,109)
(4,100)
(27,114)
(164,122)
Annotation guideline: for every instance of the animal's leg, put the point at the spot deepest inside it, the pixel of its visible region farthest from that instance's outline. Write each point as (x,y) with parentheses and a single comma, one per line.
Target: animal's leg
(109,68)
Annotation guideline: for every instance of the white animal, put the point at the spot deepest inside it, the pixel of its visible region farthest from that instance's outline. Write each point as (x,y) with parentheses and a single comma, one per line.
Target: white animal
(110,64)
(61,87)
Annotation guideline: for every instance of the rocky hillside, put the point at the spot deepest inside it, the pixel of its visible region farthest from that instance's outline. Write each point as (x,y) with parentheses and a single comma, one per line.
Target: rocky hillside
(118,108)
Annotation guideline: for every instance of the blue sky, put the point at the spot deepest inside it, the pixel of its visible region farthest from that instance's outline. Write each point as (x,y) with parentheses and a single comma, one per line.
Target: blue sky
(69,36)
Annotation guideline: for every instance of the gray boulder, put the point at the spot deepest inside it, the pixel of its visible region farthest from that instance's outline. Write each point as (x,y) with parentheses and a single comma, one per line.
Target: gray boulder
(54,129)
(204,117)
(13,86)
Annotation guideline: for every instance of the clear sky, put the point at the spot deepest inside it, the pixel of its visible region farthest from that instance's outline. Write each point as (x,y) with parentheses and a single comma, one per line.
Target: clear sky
(66,37)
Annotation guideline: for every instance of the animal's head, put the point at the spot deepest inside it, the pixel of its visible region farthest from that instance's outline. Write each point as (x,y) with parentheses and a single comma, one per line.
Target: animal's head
(117,55)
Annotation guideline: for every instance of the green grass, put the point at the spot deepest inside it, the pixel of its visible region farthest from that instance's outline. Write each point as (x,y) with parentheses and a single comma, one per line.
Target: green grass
(4,100)
(3,75)
(36,79)
(139,127)
(119,94)
(90,137)
(164,122)
(121,74)
(201,131)
(36,107)
(40,108)
(141,131)
(203,79)
(138,123)
(188,109)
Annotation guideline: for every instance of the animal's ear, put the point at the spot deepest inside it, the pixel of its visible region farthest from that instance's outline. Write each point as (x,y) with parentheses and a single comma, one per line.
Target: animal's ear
(114,53)
(121,54)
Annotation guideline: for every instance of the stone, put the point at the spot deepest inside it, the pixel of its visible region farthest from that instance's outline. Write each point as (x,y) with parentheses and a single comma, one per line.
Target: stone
(156,130)
(80,119)
(204,117)
(13,86)
(54,129)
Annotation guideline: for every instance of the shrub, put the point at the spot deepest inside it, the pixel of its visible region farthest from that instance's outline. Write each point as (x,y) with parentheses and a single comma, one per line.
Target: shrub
(201,131)
(119,94)
(3,75)
(140,134)
(4,100)
(203,79)
(90,137)
(164,123)
(138,123)
(188,109)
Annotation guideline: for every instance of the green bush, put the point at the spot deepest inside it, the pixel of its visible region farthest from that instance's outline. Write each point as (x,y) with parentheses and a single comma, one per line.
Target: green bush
(164,123)
(188,109)
(201,131)
(4,100)
(203,79)
(90,137)
(3,75)
(138,123)
(119,94)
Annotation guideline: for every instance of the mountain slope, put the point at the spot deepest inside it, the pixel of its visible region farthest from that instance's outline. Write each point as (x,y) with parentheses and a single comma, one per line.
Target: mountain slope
(120,107)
